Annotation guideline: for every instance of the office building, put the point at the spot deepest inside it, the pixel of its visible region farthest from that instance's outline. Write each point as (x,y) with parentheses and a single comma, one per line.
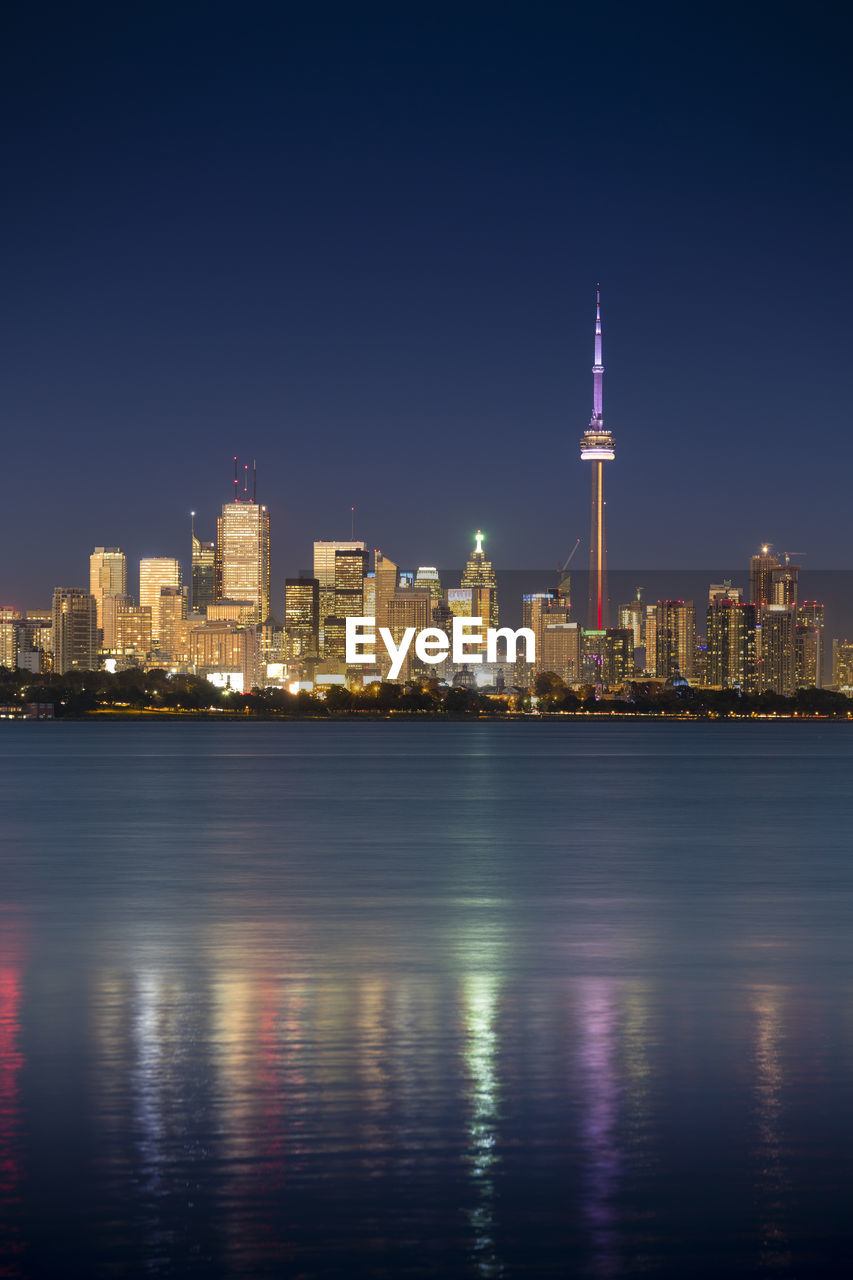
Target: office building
(133,632)
(480,575)
(350,571)
(75,630)
(242,567)
(203,585)
(302,618)
(560,651)
(777,649)
(155,573)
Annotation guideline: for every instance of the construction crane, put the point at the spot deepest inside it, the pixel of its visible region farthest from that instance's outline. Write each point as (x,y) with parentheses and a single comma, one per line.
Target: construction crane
(571,553)
(788,554)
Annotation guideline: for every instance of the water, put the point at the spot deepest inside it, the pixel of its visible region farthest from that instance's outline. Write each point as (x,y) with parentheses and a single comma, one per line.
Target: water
(400,999)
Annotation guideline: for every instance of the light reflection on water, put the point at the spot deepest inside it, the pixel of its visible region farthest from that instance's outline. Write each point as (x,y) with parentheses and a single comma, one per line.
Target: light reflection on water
(482,1015)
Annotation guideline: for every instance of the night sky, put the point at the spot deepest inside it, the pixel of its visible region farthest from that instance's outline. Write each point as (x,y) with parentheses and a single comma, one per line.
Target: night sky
(360,243)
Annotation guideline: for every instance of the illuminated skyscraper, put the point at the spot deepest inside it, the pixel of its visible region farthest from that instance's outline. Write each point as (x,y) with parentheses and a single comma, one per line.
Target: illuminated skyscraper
(156,572)
(778,648)
(302,617)
(731,652)
(107,576)
(675,638)
(479,573)
(324,571)
(243,555)
(350,572)
(75,630)
(597,447)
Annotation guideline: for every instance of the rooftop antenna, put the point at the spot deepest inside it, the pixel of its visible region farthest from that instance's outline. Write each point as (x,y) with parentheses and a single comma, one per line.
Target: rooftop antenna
(352,524)
(254,480)
(192,526)
(246,480)
(236,482)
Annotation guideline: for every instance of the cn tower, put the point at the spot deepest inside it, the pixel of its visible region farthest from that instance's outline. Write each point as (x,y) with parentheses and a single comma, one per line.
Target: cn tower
(597,447)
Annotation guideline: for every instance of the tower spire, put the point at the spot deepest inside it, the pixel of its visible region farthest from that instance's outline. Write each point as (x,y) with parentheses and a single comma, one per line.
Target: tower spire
(597,419)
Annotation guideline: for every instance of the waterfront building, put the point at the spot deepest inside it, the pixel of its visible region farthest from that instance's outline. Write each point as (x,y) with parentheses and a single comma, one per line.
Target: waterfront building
(242,567)
(650,637)
(301,618)
(107,576)
(480,576)
(156,572)
(675,638)
(842,664)
(607,659)
(597,447)
(777,649)
(731,642)
(226,649)
(75,630)
(810,624)
(9,641)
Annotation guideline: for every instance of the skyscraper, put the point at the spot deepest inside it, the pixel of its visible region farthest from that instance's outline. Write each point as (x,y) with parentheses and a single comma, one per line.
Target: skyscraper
(325,551)
(731,653)
(107,576)
(597,447)
(761,568)
(675,638)
(203,584)
(75,630)
(156,572)
(302,617)
(479,573)
(243,555)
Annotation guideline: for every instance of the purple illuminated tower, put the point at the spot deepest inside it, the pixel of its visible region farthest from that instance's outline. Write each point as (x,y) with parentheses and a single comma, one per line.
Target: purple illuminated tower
(597,447)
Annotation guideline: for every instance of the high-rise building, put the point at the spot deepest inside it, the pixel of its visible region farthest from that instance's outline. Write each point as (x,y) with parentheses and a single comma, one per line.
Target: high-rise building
(226,648)
(675,638)
(480,574)
(133,628)
(75,630)
(597,447)
(325,551)
(385,580)
(777,648)
(203,585)
(810,656)
(842,664)
(560,651)
(350,572)
(242,567)
(302,618)
(784,583)
(540,610)
(407,607)
(731,642)
(632,617)
(761,568)
(172,616)
(107,576)
(110,608)
(156,572)
(9,641)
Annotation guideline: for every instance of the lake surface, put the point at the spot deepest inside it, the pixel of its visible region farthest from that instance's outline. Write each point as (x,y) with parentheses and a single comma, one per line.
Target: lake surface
(403,999)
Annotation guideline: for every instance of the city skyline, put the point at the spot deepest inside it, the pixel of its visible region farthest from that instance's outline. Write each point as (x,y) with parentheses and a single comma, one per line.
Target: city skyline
(357,257)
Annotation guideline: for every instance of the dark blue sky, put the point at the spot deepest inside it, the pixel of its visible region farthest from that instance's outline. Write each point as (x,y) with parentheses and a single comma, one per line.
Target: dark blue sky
(360,243)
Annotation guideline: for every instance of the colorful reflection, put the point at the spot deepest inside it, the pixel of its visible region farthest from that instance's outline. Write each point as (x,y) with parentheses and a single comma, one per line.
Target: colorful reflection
(480,1004)
(11,1064)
